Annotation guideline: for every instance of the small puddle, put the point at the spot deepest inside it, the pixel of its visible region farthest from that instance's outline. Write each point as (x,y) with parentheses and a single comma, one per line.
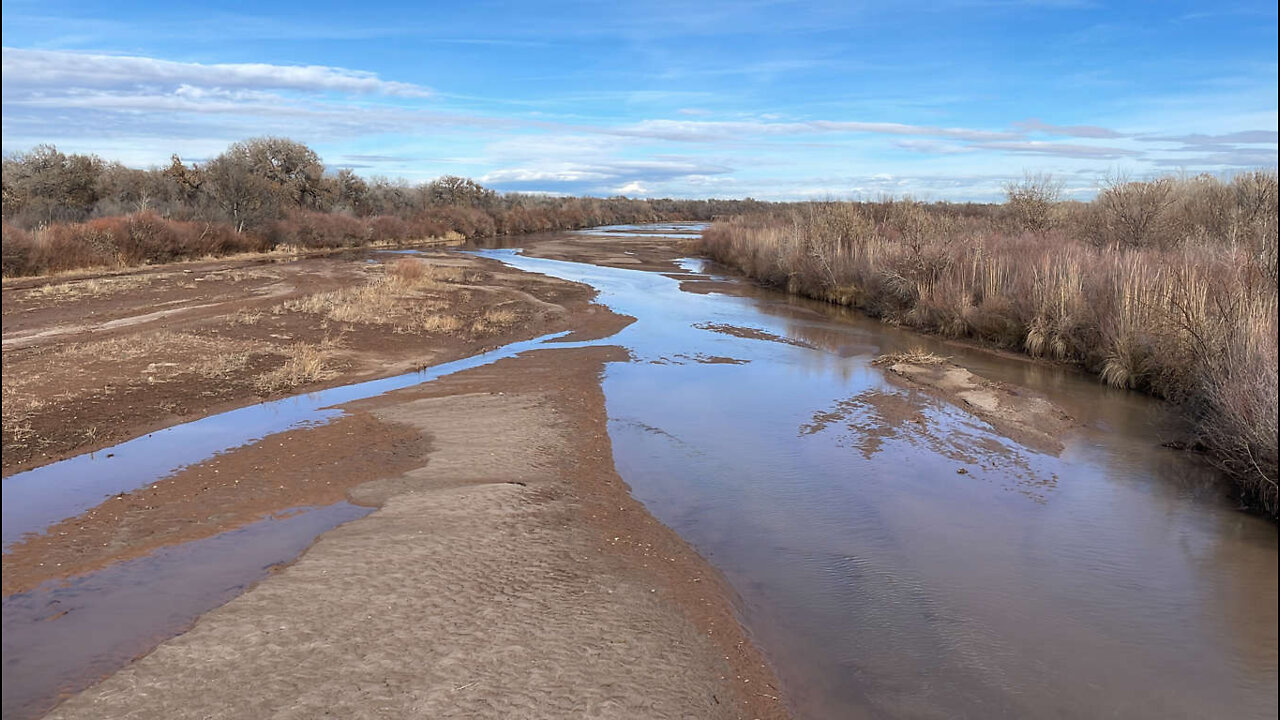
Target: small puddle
(61,638)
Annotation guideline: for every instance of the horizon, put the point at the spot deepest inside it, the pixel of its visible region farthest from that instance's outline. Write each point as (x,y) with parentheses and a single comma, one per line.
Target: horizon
(767,100)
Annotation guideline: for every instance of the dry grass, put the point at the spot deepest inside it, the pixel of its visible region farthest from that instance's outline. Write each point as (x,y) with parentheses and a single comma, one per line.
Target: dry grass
(494,320)
(246,317)
(18,405)
(223,366)
(92,288)
(914,356)
(304,363)
(1166,286)
(408,297)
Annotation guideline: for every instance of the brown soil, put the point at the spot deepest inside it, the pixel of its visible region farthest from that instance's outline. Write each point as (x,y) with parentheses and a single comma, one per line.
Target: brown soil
(512,575)
(283,471)
(91,362)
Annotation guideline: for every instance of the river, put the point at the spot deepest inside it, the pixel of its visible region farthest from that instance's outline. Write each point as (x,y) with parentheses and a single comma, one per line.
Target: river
(1113,580)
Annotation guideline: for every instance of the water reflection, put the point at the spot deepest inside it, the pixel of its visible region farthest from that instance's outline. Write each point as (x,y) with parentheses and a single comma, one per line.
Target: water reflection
(58,639)
(1113,580)
(37,498)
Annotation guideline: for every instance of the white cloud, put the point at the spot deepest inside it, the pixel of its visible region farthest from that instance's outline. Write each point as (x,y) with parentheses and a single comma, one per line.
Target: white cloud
(712,131)
(633,188)
(54,69)
(1080,131)
(1037,147)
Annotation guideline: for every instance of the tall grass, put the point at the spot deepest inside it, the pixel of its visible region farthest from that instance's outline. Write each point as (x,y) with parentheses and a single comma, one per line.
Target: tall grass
(1165,286)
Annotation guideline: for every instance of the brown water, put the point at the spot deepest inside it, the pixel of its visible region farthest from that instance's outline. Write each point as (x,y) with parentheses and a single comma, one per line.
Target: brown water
(1113,581)
(59,638)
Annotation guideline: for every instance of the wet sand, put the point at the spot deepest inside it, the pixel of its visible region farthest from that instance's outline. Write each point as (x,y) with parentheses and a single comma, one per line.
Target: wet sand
(512,575)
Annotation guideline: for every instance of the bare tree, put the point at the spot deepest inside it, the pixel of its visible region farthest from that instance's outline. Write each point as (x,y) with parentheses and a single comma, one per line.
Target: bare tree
(453,190)
(1031,201)
(244,197)
(1133,213)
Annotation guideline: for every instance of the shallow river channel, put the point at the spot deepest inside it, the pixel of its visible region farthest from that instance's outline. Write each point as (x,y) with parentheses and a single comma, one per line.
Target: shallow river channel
(1112,580)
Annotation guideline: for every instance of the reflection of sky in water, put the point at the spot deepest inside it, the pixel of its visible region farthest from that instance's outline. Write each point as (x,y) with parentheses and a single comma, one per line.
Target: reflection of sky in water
(61,638)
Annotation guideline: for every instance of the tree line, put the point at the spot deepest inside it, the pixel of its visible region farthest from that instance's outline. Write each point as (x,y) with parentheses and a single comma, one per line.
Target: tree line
(64,211)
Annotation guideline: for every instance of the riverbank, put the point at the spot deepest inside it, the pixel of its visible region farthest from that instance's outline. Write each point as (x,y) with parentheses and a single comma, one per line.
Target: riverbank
(92,361)
(1185,311)
(507,567)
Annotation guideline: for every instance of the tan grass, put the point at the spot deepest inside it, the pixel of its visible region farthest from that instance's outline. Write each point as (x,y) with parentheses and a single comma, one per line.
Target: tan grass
(409,298)
(246,317)
(1166,286)
(304,363)
(223,366)
(494,320)
(914,356)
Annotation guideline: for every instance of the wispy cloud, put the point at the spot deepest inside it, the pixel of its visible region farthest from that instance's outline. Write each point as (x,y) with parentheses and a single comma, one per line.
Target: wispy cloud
(1035,125)
(712,131)
(1036,147)
(47,69)
(1246,137)
(605,176)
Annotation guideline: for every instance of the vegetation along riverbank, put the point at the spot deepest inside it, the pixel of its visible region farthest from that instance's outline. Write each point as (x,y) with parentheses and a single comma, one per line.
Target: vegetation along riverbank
(1165,285)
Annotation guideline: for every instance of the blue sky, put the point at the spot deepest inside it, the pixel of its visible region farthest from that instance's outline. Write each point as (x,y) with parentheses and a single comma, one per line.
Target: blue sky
(775,100)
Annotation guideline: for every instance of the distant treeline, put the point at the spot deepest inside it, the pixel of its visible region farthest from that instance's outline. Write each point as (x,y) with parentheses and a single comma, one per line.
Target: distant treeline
(1166,285)
(63,212)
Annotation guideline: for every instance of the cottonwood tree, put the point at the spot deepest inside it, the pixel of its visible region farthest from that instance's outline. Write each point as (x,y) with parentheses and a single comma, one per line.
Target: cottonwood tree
(187,181)
(351,192)
(292,171)
(1031,201)
(454,190)
(50,185)
(244,197)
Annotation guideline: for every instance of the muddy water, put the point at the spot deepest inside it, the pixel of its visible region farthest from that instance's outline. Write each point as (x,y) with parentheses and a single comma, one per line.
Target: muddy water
(59,638)
(1113,580)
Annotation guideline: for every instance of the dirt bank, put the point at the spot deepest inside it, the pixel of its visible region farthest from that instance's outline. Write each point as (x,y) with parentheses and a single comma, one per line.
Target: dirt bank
(511,575)
(90,362)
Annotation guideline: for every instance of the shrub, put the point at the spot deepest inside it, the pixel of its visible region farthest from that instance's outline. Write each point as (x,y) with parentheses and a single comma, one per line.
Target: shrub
(1174,292)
